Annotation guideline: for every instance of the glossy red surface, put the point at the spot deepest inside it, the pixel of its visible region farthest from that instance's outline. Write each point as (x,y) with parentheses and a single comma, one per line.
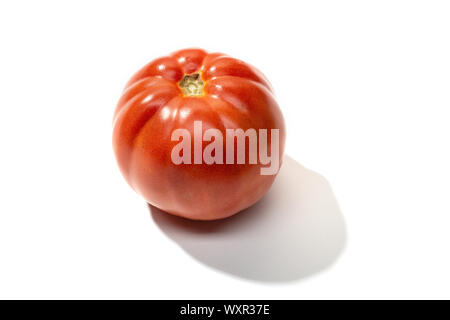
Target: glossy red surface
(152,105)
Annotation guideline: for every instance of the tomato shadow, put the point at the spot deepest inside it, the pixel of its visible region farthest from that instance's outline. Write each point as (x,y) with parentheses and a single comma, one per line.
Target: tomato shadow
(295,231)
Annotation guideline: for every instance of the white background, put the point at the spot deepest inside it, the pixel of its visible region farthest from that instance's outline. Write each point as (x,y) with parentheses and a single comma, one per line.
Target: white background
(365,90)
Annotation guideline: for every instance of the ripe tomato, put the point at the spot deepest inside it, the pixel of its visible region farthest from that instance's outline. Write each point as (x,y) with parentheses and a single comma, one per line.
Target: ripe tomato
(175,91)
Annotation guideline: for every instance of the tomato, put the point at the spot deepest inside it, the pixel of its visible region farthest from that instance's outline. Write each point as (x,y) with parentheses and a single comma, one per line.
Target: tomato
(175,92)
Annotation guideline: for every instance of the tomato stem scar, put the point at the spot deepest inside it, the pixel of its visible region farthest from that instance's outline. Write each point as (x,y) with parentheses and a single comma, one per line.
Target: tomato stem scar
(192,85)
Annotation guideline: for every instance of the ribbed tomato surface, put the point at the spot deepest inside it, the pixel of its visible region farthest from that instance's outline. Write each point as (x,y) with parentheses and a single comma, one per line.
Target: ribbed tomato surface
(235,95)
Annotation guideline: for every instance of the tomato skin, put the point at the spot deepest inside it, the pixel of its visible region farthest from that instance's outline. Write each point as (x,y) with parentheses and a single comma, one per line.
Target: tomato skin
(152,106)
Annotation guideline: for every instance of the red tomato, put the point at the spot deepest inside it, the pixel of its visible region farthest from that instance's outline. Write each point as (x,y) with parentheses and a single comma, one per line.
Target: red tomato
(174,91)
